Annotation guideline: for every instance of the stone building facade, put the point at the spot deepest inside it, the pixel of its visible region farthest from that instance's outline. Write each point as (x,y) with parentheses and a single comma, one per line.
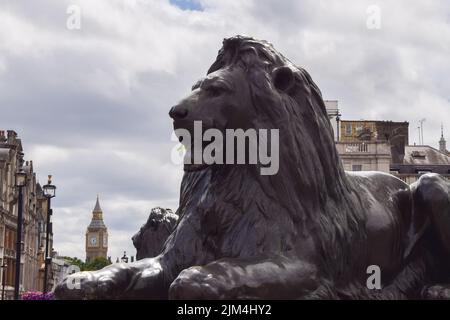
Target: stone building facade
(365,156)
(365,145)
(393,134)
(34,217)
(371,145)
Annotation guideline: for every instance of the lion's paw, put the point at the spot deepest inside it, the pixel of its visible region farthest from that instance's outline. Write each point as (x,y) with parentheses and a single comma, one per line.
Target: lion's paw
(194,284)
(77,286)
(437,292)
(87,286)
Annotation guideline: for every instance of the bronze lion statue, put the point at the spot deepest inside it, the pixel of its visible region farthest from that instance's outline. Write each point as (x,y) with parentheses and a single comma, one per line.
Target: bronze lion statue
(310,231)
(150,238)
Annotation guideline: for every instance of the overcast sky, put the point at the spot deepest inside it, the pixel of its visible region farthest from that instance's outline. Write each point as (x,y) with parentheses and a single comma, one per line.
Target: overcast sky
(91,104)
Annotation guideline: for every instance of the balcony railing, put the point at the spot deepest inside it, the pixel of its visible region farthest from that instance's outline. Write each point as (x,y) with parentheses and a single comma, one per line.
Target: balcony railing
(356,147)
(379,148)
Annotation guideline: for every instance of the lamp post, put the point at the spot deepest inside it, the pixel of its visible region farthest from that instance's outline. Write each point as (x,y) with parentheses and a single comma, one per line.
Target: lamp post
(3,266)
(421,121)
(49,192)
(124,258)
(21,180)
(338,119)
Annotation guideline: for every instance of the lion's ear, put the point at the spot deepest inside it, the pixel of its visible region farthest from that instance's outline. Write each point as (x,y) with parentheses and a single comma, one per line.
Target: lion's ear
(283,78)
(197,85)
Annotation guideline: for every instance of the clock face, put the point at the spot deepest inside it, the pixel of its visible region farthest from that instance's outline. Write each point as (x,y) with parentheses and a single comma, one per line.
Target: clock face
(93,241)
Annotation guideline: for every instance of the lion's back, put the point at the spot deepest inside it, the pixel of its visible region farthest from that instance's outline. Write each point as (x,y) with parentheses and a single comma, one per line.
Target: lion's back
(386,203)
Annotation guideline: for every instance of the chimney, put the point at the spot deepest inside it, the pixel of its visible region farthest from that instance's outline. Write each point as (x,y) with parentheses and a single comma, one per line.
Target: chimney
(2,136)
(12,135)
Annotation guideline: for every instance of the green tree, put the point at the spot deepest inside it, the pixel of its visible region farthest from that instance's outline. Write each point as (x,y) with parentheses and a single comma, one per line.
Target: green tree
(96,264)
(75,261)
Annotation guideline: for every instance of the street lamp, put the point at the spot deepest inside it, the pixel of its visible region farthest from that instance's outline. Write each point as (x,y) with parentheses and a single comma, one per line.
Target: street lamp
(49,192)
(124,258)
(49,189)
(338,119)
(21,181)
(3,266)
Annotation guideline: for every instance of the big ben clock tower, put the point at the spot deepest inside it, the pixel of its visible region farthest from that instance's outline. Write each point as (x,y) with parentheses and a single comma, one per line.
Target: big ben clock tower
(96,235)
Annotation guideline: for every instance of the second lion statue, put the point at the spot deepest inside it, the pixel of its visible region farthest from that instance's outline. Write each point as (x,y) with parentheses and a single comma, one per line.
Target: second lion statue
(310,231)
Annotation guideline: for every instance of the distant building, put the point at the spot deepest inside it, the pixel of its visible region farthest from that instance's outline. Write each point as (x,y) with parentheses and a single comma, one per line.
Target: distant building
(365,156)
(371,145)
(366,145)
(419,160)
(96,235)
(423,159)
(394,134)
(34,219)
(334,116)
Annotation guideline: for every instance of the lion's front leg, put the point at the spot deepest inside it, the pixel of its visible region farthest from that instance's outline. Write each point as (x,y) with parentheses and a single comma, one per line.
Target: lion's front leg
(273,278)
(143,279)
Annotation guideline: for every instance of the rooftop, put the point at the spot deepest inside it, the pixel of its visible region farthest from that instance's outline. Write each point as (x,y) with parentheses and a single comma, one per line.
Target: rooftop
(97,217)
(97,224)
(380,121)
(425,155)
(97,207)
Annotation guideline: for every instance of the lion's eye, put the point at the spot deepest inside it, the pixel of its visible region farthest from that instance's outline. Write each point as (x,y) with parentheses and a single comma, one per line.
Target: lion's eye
(214,91)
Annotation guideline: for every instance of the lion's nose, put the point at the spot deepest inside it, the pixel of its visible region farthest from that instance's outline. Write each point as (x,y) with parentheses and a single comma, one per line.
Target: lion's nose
(178,113)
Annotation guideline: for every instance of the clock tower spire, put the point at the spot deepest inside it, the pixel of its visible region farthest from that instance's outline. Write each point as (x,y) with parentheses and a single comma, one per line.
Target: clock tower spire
(96,235)
(442,142)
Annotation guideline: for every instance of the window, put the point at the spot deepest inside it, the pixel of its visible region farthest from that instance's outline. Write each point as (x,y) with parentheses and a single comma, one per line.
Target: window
(348,129)
(10,271)
(10,239)
(418,154)
(357,167)
(359,130)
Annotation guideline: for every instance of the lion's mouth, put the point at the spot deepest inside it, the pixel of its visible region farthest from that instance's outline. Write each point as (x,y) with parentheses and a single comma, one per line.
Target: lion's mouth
(190,161)
(195,167)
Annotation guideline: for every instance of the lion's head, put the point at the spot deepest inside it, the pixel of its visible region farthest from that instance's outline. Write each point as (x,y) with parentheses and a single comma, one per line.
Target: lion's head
(150,239)
(251,85)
